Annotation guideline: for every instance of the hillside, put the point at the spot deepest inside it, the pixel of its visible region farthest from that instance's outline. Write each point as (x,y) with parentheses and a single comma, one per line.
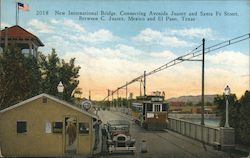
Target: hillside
(193,99)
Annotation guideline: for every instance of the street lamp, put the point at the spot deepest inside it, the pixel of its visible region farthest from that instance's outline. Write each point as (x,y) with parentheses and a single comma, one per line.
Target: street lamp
(60,87)
(227,93)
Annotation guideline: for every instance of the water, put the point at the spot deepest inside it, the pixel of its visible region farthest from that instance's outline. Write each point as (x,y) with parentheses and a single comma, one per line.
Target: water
(210,122)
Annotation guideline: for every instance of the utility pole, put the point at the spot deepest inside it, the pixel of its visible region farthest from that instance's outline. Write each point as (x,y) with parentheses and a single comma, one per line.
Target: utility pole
(89,95)
(202,82)
(117,98)
(112,97)
(126,90)
(108,97)
(144,86)
(140,88)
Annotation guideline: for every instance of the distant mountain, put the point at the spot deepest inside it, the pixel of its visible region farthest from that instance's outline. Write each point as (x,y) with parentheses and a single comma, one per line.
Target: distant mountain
(193,99)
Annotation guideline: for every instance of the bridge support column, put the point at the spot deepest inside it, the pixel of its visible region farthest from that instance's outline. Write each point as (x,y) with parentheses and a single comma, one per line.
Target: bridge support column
(227,138)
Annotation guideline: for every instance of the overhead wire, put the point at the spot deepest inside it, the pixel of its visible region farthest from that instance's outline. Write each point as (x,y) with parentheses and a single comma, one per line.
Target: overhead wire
(192,54)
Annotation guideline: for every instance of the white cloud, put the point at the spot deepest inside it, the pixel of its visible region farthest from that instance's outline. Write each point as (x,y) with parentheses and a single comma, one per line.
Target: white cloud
(128,50)
(68,29)
(40,26)
(102,52)
(193,33)
(119,51)
(106,68)
(165,54)
(69,24)
(54,21)
(72,24)
(31,30)
(153,36)
(148,35)
(228,58)
(101,35)
(3,25)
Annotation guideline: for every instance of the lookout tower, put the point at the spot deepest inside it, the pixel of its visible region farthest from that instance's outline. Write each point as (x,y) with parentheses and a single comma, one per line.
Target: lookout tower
(20,37)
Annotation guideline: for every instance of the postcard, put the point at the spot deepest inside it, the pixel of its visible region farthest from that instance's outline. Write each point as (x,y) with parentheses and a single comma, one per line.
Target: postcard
(174,70)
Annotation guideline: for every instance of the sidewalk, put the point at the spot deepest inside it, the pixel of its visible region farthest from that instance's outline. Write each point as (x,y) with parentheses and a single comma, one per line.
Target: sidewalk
(244,149)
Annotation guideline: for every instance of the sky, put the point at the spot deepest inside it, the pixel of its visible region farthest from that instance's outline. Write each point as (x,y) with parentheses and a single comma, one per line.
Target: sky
(114,41)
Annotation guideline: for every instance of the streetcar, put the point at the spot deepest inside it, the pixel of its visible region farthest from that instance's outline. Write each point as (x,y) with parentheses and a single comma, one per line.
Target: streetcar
(150,112)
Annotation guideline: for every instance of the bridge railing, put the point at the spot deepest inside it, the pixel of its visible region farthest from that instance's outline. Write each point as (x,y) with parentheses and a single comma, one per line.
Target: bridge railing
(207,134)
(221,137)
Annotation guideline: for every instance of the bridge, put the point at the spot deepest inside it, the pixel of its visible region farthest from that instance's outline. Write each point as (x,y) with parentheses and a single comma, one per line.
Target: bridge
(170,142)
(181,138)
(193,55)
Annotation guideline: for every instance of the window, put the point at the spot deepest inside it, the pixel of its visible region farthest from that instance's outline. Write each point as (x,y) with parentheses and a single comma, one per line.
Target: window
(157,107)
(164,107)
(57,127)
(21,127)
(83,128)
(149,107)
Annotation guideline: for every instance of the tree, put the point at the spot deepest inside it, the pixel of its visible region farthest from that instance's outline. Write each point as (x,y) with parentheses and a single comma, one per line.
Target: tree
(68,74)
(34,73)
(24,76)
(124,102)
(244,124)
(189,103)
(55,70)
(239,117)
(220,101)
(208,104)
(19,77)
(50,73)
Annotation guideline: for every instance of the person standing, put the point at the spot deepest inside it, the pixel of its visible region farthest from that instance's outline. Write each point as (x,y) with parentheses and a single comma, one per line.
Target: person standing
(71,131)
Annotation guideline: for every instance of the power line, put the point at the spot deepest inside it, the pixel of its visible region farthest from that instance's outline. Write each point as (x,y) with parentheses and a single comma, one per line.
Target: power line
(192,54)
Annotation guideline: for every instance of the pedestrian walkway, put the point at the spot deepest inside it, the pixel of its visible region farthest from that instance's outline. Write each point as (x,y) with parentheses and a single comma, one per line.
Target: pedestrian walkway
(244,149)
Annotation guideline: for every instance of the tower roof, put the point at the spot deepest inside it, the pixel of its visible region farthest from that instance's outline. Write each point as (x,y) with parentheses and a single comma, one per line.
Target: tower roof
(17,32)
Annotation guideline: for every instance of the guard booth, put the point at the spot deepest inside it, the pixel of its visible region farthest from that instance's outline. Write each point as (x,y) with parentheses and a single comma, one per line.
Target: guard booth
(45,126)
(21,38)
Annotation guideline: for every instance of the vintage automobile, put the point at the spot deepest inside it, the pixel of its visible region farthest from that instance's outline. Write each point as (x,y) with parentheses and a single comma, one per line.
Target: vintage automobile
(118,136)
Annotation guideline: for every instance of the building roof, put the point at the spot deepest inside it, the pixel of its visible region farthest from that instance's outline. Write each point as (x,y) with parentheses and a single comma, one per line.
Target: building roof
(17,32)
(52,98)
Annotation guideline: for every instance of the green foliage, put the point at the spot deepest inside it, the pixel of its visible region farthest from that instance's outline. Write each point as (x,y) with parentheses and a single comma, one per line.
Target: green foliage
(208,104)
(244,124)
(55,70)
(19,77)
(50,73)
(239,117)
(189,103)
(22,77)
(68,74)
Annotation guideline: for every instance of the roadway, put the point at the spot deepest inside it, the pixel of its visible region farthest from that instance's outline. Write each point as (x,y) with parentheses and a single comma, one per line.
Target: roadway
(161,144)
